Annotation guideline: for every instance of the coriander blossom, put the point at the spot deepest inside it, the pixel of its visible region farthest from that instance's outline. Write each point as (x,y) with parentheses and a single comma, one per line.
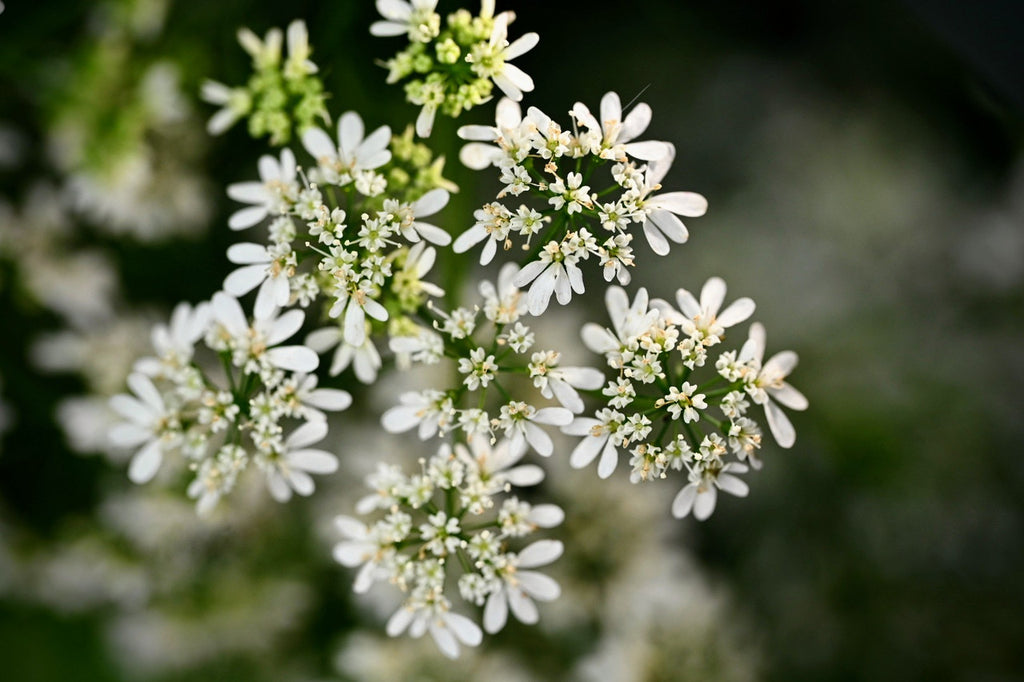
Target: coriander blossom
(253,346)
(338,164)
(616,133)
(289,466)
(660,210)
(491,59)
(702,320)
(519,588)
(275,193)
(768,385)
(417,19)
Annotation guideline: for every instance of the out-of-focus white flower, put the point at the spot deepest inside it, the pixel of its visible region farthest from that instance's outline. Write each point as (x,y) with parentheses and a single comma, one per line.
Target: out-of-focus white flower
(365,359)
(701,493)
(151,425)
(518,588)
(417,19)
(448,628)
(175,342)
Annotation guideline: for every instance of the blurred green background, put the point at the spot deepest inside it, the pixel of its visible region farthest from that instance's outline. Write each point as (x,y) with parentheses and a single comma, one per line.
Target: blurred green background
(864,171)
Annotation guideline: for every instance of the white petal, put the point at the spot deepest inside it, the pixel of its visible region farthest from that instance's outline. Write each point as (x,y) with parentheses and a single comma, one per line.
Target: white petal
(636,122)
(128,435)
(539,586)
(355,324)
(528,273)
(313,461)
(546,515)
(245,279)
(522,606)
(689,204)
(781,428)
(432,233)
(525,475)
(464,629)
(733,485)
(350,134)
(430,203)
(301,482)
(683,502)
(247,217)
(609,460)
(400,419)
(520,46)
(540,291)
(285,326)
(399,621)
(445,640)
(319,144)
(585,452)
(145,463)
(248,192)
(331,399)
(322,340)
(611,107)
(704,505)
(737,311)
(580,426)
(712,294)
(659,244)
(788,396)
(650,150)
(307,434)
(496,611)
(228,312)
(247,253)
(540,553)
(143,387)
(425,121)
(781,364)
(387,29)
(350,527)
(670,225)
(555,416)
(294,358)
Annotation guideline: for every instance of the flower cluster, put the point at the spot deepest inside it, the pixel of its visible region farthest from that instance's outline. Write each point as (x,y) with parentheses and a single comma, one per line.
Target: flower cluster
(349,241)
(454,69)
(220,428)
(456,517)
(659,410)
(570,222)
(491,354)
(282,96)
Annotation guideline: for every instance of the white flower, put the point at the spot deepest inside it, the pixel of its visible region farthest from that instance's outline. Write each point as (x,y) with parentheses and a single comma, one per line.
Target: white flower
(493,221)
(491,60)
(361,547)
(276,191)
(253,347)
(150,425)
(510,141)
(769,386)
(268,267)
(504,303)
(561,382)
(601,436)
(617,134)
(521,420)
(430,410)
(416,19)
(494,465)
(702,492)
(628,323)
(310,401)
(365,359)
(479,368)
(429,204)
(339,163)
(554,272)
(446,627)
(703,320)
(290,468)
(519,588)
(234,103)
(660,210)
